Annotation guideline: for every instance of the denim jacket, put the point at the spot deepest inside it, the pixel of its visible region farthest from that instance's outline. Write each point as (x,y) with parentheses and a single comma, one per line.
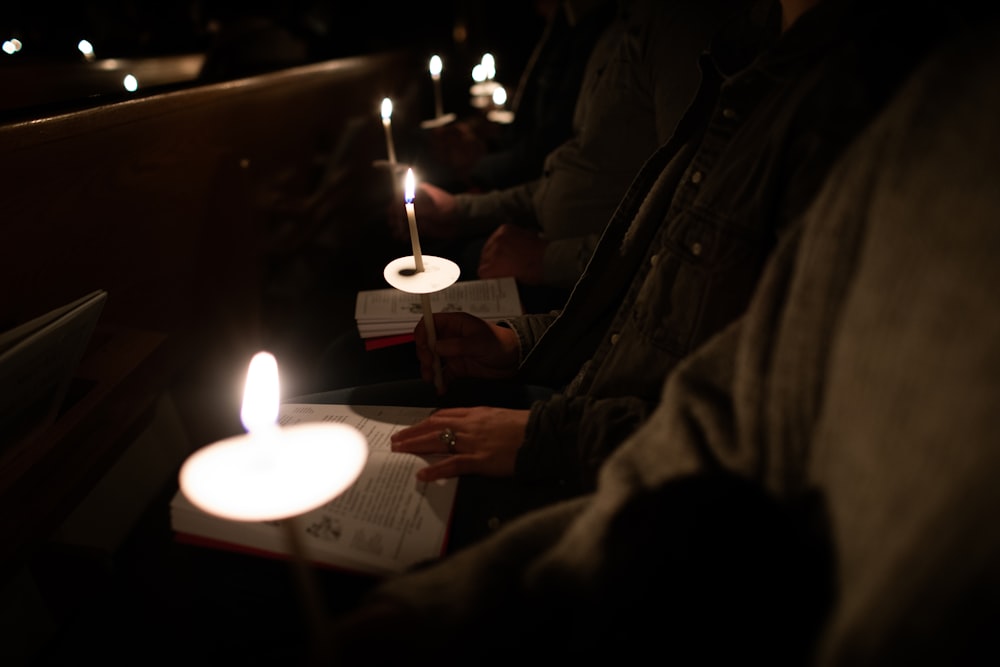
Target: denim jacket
(683,252)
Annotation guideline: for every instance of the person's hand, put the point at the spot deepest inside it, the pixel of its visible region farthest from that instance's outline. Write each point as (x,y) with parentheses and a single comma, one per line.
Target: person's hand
(485,440)
(513,251)
(468,346)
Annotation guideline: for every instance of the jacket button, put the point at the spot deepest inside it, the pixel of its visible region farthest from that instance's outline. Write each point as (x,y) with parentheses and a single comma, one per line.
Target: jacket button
(615,338)
(654,260)
(696,249)
(696,177)
(728,114)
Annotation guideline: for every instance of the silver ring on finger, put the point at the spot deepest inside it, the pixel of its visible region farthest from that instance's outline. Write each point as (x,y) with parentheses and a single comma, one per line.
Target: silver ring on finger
(448,438)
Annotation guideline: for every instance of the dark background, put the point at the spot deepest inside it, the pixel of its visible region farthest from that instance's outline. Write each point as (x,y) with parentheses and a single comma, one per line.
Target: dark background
(294,31)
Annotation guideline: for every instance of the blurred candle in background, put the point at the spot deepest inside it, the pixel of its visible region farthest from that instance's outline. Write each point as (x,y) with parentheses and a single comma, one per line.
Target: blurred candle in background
(387,124)
(435,67)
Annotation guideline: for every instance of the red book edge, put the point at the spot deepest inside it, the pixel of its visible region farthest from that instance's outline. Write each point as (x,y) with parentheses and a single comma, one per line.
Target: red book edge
(387,341)
(211,543)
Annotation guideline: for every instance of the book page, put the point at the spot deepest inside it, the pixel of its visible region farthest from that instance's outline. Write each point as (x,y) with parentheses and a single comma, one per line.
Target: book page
(390,311)
(384,523)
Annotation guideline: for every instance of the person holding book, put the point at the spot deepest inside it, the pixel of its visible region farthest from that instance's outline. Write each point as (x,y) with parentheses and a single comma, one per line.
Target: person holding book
(676,265)
(641,74)
(816,484)
(641,78)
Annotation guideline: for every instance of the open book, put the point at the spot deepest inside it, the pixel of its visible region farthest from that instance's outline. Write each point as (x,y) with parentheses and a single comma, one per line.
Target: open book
(37,363)
(390,312)
(383,524)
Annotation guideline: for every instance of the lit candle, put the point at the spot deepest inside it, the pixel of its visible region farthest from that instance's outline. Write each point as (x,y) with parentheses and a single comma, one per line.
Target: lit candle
(435,68)
(276,474)
(483,75)
(498,114)
(489,66)
(272,473)
(500,96)
(425,298)
(409,192)
(387,124)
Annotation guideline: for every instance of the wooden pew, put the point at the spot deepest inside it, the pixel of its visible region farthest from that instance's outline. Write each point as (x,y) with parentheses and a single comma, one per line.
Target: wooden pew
(173,203)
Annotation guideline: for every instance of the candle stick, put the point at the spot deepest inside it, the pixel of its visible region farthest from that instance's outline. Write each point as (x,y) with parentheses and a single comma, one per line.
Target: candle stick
(435,67)
(425,298)
(425,302)
(387,125)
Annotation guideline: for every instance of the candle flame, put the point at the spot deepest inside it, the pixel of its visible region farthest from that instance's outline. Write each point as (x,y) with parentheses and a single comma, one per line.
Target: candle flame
(386,108)
(435,65)
(500,96)
(409,186)
(489,65)
(261,394)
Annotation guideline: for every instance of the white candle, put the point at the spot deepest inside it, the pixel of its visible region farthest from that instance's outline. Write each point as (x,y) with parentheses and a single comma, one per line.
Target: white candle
(387,125)
(410,189)
(435,68)
(272,473)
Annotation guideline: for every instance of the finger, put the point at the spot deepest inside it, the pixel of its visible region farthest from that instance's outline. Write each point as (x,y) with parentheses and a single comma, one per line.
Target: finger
(424,437)
(423,446)
(419,431)
(453,466)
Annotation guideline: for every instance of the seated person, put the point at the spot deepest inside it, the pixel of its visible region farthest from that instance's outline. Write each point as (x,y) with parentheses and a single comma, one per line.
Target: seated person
(640,77)
(817,484)
(474,153)
(678,263)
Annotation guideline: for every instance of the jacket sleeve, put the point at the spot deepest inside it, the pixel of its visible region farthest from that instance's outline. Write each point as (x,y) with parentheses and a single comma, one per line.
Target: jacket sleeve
(529,328)
(482,212)
(567,439)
